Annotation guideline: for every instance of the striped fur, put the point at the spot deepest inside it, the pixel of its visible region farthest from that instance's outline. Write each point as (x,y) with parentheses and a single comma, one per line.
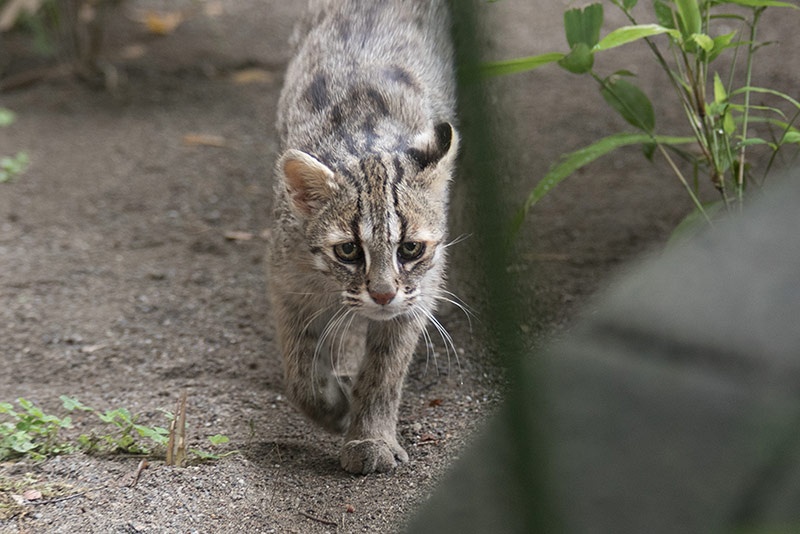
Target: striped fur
(358,255)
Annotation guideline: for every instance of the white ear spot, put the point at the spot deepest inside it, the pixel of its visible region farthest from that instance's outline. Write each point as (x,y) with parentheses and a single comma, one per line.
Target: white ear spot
(308,181)
(434,151)
(435,145)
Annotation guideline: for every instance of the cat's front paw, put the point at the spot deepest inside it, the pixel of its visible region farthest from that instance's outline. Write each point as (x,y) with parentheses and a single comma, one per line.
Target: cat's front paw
(365,456)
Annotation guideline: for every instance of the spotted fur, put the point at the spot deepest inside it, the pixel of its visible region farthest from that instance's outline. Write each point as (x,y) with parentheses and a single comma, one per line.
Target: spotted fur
(357,264)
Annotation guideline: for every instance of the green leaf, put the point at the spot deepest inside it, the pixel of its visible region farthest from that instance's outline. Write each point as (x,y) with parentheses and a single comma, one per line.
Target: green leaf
(11,167)
(120,413)
(630,102)
(218,439)
(754,141)
(582,26)
(579,61)
(71,404)
(689,17)
(728,124)
(694,222)
(21,443)
(6,117)
(720,94)
(703,41)
(785,126)
(664,14)
(626,5)
(764,90)
(771,109)
(573,161)
(522,64)
(155,434)
(721,43)
(649,150)
(202,455)
(628,34)
(761,3)
(108,417)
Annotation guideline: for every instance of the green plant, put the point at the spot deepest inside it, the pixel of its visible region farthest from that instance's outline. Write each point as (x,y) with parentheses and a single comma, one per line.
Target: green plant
(215,440)
(29,432)
(129,434)
(7,117)
(719,114)
(11,166)
(125,438)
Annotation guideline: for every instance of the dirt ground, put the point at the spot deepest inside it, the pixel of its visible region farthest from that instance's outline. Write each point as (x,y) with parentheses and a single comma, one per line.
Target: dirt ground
(122,282)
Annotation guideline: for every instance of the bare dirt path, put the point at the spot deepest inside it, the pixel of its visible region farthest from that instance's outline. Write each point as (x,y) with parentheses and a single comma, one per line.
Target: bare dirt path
(122,284)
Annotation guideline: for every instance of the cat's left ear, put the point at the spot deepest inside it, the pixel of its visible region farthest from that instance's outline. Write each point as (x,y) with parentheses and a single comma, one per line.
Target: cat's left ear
(437,146)
(308,181)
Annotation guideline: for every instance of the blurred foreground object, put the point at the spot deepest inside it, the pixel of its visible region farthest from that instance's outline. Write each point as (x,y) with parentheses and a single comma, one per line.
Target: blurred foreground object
(674,406)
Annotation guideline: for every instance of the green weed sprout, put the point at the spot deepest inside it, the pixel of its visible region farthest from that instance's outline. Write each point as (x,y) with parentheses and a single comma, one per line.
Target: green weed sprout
(27,431)
(11,166)
(125,438)
(30,432)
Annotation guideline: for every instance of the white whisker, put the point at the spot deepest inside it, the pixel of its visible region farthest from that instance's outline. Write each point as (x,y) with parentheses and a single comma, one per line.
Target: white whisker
(426,338)
(341,331)
(314,317)
(323,337)
(458,303)
(329,330)
(459,239)
(446,338)
(313,293)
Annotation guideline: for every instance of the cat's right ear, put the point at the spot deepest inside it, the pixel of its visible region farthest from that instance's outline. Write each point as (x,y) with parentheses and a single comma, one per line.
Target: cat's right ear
(308,181)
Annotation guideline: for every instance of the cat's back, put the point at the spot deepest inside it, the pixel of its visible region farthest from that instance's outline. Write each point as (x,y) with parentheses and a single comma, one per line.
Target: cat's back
(377,68)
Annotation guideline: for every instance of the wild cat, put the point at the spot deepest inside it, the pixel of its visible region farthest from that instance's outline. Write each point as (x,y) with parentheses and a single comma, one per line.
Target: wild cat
(357,262)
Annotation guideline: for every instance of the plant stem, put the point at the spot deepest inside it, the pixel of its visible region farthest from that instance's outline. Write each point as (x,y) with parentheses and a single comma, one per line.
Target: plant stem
(693,102)
(659,57)
(680,176)
(778,146)
(745,119)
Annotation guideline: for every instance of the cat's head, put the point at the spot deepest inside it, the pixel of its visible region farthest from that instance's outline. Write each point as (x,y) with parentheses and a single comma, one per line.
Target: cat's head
(376,226)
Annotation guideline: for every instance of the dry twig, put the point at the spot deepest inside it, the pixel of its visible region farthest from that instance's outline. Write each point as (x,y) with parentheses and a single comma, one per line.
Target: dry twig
(141,467)
(318,519)
(176,445)
(56,499)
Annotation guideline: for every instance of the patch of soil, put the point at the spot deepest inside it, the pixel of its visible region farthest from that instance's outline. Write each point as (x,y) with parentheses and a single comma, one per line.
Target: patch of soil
(122,283)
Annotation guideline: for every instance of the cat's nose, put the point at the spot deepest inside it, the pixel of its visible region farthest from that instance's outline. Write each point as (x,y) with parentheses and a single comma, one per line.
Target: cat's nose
(382,298)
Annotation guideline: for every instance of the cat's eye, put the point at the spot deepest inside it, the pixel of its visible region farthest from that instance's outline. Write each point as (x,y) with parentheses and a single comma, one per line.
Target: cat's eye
(410,250)
(348,252)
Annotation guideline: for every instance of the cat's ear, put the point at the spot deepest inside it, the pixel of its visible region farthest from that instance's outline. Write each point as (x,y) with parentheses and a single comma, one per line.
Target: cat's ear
(435,146)
(308,181)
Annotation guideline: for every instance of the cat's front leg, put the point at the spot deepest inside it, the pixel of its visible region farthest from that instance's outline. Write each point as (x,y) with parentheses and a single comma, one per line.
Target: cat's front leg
(311,381)
(371,441)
